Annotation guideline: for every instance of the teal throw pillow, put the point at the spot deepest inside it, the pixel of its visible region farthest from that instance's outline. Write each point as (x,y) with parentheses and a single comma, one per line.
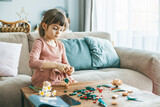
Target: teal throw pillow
(103,53)
(77,52)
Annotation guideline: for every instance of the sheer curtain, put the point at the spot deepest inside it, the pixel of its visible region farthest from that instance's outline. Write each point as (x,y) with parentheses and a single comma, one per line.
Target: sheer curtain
(131,23)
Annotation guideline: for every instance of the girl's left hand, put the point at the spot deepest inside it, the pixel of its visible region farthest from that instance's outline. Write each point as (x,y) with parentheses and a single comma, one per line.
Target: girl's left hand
(70,71)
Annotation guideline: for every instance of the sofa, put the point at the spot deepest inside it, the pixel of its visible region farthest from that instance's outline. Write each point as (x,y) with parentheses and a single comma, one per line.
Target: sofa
(138,68)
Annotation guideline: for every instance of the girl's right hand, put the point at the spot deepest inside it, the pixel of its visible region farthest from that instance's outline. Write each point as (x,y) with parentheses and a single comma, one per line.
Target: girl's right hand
(63,67)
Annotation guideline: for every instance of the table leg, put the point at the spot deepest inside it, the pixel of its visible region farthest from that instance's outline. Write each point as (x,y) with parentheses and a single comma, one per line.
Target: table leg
(22,100)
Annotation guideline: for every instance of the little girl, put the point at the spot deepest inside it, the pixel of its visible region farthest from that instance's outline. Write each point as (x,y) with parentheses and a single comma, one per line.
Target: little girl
(48,55)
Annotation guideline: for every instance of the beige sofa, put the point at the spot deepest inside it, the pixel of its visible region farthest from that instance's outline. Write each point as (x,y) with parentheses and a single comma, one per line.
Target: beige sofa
(138,68)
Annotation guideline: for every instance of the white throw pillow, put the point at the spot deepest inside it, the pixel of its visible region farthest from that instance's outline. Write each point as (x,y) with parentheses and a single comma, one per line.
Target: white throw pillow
(9,58)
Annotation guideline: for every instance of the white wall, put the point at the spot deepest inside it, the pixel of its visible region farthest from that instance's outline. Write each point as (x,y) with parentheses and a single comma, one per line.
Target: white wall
(73,9)
(36,7)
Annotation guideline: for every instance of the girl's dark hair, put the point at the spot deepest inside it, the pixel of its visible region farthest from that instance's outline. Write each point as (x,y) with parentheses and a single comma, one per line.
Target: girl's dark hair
(53,16)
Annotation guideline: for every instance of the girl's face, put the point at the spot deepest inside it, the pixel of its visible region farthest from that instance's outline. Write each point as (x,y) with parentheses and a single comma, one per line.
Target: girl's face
(53,32)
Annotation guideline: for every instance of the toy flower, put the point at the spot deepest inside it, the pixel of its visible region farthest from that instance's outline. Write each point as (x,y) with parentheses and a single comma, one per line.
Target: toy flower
(48,94)
(53,92)
(49,88)
(46,83)
(45,88)
(41,93)
(117,82)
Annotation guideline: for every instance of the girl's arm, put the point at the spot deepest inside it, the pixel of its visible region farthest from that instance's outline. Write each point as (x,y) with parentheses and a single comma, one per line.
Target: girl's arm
(65,61)
(34,61)
(64,57)
(55,65)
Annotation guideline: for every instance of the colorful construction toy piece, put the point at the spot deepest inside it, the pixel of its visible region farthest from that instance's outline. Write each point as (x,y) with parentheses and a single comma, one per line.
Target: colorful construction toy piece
(114,103)
(35,88)
(89,92)
(102,102)
(46,90)
(66,80)
(117,82)
(114,96)
(117,90)
(108,86)
(90,89)
(124,94)
(133,99)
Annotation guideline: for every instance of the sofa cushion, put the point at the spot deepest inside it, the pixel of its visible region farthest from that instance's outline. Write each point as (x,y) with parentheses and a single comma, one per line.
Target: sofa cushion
(77,53)
(20,38)
(10,90)
(10,53)
(69,35)
(102,52)
(31,38)
(76,35)
(130,77)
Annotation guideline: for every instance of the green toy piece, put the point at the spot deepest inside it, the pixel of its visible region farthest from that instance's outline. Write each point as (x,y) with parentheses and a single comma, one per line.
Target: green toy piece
(66,80)
(117,90)
(108,86)
(74,93)
(90,88)
(35,88)
(133,99)
(79,95)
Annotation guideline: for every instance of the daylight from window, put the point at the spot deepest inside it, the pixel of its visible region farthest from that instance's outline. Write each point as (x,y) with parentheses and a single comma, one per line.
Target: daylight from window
(131,23)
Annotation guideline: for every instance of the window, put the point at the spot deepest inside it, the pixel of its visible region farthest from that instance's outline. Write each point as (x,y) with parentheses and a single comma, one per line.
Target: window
(131,23)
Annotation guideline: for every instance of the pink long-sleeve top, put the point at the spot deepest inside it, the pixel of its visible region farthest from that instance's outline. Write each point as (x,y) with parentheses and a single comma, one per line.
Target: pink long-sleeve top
(42,52)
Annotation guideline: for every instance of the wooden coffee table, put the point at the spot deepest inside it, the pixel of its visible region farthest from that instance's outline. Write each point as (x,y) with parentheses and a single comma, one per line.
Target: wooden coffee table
(149,99)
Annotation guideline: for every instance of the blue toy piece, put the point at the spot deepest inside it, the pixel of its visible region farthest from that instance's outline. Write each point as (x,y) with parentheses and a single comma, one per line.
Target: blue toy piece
(117,90)
(102,102)
(79,95)
(105,85)
(133,99)
(90,88)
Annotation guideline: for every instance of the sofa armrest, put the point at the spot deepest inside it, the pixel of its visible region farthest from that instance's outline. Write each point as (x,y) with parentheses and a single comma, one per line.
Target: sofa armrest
(146,62)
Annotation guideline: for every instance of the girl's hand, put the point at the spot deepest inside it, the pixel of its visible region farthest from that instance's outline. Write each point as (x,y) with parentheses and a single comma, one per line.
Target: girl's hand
(70,71)
(63,67)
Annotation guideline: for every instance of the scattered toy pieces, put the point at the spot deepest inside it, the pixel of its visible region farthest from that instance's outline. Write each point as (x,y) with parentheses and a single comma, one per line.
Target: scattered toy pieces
(95,101)
(46,83)
(114,96)
(117,90)
(101,102)
(124,94)
(114,103)
(129,91)
(35,88)
(100,90)
(66,80)
(79,95)
(133,99)
(117,82)
(90,89)
(89,92)
(108,86)
(47,90)
(54,92)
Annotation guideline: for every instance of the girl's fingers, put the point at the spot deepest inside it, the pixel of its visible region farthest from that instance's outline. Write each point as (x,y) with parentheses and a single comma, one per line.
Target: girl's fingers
(63,70)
